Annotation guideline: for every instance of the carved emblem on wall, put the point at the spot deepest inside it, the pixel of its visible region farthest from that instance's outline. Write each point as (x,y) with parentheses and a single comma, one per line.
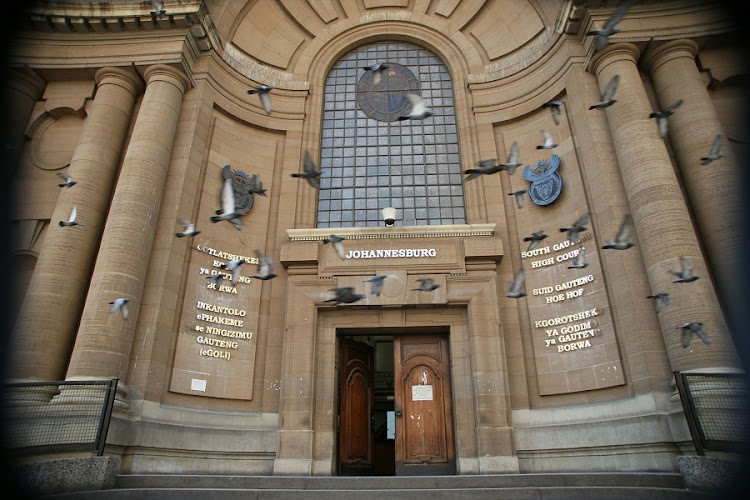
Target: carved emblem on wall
(546,182)
(242,186)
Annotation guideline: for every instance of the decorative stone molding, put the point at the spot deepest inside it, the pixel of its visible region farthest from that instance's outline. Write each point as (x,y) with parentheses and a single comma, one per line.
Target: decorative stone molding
(258,72)
(519,60)
(362,233)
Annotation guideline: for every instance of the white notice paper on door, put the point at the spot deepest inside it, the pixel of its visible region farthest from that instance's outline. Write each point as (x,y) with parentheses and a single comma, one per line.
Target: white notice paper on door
(421,393)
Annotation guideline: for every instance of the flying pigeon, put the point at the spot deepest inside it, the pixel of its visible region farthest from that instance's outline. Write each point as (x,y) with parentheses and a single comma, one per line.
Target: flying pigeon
(159,9)
(377,283)
(519,197)
(714,154)
(255,185)
(484,167)
(228,211)
(72,219)
(345,295)
(549,142)
(265,269)
(234,266)
(310,172)
(686,274)
(608,94)
(554,107)
(688,329)
(337,245)
(377,72)
(535,238)
(622,240)
(216,278)
(122,305)
(419,110)
(661,296)
(577,227)
(426,285)
(189,229)
(68,180)
(661,117)
(603,34)
(579,261)
(265,99)
(515,287)
(512,164)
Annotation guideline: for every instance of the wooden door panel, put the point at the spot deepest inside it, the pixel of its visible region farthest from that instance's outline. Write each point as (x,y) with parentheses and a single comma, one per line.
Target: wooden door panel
(424,429)
(356,435)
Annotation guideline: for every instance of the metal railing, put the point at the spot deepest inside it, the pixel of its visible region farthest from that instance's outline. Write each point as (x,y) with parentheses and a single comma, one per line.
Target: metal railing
(716,409)
(51,417)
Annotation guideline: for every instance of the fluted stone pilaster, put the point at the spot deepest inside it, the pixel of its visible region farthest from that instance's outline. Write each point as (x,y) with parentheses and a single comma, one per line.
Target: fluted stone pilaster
(47,321)
(662,221)
(104,340)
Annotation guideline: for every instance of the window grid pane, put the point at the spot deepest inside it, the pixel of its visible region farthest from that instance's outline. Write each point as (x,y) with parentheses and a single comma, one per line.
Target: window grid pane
(368,164)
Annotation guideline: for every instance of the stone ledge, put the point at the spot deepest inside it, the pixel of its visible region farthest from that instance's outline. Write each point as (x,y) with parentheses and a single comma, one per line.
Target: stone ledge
(63,475)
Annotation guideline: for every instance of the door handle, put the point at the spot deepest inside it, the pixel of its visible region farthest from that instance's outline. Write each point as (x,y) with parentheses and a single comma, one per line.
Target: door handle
(398,413)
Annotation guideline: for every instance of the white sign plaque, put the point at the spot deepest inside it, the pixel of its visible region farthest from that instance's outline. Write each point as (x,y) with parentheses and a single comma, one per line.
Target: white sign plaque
(197,384)
(421,393)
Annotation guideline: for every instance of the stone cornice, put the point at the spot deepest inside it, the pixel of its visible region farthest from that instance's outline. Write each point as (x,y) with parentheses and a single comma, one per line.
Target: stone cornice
(363,233)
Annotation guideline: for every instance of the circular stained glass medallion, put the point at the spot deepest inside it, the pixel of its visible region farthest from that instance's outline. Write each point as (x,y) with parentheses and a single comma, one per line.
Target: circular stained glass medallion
(385,100)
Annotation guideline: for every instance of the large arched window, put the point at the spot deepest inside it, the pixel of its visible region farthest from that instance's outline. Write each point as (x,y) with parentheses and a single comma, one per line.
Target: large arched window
(371,160)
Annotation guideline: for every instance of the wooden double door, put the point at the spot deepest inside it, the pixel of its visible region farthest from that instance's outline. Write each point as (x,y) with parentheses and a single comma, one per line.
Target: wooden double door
(422,407)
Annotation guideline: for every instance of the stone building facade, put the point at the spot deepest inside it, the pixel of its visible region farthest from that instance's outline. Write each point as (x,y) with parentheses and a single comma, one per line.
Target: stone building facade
(150,114)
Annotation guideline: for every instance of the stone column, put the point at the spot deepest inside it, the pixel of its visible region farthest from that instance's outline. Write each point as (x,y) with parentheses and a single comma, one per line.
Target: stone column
(663,226)
(22,89)
(104,340)
(48,318)
(712,189)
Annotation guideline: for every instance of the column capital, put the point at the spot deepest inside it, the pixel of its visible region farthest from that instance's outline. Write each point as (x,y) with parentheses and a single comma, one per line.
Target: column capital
(170,74)
(26,81)
(668,51)
(614,53)
(124,77)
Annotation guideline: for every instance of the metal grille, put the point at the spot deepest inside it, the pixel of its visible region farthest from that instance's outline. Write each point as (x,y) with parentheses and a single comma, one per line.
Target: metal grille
(716,408)
(44,417)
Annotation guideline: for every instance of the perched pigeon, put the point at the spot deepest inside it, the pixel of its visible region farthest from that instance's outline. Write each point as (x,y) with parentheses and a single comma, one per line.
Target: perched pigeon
(512,164)
(159,9)
(686,274)
(484,167)
(377,72)
(228,211)
(661,117)
(688,329)
(554,107)
(426,285)
(120,304)
(255,185)
(519,197)
(234,266)
(714,154)
(265,99)
(72,219)
(579,261)
(377,284)
(608,94)
(622,240)
(265,269)
(419,110)
(661,296)
(68,180)
(216,278)
(603,34)
(515,288)
(535,238)
(337,245)
(189,229)
(310,172)
(549,142)
(577,227)
(345,295)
